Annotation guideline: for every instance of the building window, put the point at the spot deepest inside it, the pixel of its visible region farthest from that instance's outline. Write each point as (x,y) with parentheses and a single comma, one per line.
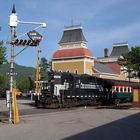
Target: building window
(121,89)
(117,89)
(76,71)
(125,89)
(68,71)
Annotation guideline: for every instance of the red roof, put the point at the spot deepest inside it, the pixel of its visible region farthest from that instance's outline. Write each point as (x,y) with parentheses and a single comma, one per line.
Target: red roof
(75,52)
(115,67)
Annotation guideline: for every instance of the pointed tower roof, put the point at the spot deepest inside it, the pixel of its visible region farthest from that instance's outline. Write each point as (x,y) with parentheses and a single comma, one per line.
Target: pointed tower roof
(72,34)
(13,10)
(119,49)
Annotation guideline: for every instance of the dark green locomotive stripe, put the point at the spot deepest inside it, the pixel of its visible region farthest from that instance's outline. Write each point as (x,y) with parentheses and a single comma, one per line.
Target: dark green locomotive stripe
(122,95)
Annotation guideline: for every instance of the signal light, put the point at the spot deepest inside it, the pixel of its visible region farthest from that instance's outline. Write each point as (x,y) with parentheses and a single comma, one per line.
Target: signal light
(22,42)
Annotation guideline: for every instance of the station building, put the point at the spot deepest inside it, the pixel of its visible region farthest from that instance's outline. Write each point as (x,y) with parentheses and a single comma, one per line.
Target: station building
(74,56)
(107,66)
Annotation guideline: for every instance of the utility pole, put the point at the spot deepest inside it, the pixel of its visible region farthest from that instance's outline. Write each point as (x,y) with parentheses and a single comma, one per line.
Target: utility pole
(13,24)
(36,36)
(38,72)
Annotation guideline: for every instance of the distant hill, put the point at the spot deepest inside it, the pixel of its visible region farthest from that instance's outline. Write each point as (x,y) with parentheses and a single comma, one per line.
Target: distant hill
(22,71)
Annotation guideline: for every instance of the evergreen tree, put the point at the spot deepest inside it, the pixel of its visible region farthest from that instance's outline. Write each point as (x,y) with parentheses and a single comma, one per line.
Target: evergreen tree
(131,62)
(44,67)
(2,53)
(32,84)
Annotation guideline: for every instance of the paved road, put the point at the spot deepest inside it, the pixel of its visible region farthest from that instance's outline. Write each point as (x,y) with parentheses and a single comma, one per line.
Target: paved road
(26,107)
(76,124)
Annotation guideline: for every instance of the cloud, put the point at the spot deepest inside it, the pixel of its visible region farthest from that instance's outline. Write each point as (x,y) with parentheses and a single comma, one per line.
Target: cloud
(125,33)
(104,21)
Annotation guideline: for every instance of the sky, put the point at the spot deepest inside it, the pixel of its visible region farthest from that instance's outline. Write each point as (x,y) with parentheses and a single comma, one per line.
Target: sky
(104,23)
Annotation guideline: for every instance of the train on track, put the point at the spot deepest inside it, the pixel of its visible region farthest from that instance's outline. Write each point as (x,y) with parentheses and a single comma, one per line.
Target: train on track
(68,90)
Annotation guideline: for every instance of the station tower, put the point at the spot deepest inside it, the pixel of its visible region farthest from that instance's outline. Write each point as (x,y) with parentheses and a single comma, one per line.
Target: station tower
(73,55)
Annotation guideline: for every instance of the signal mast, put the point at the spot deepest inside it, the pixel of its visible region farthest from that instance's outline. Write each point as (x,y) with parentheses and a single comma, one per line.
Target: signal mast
(35,39)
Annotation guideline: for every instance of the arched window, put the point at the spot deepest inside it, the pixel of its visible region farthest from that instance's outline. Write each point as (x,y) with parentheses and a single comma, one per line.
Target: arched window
(125,89)
(121,89)
(117,89)
(68,71)
(76,71)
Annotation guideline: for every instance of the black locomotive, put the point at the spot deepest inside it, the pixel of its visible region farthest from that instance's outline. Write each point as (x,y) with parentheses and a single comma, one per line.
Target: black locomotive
(67,90)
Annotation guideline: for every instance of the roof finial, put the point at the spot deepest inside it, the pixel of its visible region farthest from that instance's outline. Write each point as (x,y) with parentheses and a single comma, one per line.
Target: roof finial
(13,10)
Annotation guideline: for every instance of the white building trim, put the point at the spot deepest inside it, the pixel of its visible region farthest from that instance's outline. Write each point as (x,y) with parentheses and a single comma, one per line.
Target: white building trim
(84,66)
(72,45)
(72,60)
(106,74)
(71,57)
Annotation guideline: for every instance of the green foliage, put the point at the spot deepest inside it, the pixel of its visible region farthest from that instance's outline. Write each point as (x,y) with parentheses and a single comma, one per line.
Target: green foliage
(32,84)
(21,71)
(135,58)
(25,84)
(44,68)
(131,62)
(3,82)
(2,53)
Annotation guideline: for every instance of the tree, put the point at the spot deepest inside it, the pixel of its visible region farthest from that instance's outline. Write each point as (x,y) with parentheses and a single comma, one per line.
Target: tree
(25,84)
(135,59)
(131,62)
(3,82)
(32,84)
(44,68)
(2,53)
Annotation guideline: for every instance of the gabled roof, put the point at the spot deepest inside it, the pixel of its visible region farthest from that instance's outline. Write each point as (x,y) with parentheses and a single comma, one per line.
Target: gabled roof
(72,53)
(72,34)
(119,49)
(103,68)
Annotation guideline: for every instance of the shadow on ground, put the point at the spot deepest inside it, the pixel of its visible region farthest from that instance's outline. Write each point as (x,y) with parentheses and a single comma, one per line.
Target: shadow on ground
(124,129)
(4,118)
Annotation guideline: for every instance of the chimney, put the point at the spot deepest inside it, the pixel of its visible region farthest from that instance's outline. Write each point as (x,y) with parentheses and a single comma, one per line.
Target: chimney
(106,52)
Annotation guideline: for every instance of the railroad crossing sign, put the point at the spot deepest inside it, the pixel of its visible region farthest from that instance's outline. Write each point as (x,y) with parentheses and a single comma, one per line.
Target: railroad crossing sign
(34,35)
